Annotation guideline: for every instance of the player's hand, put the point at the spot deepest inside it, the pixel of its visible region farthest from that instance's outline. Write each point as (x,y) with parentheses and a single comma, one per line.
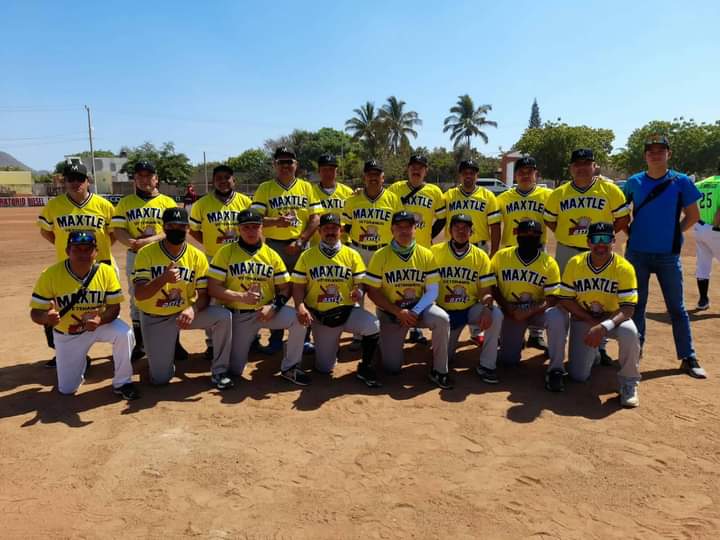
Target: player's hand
(133,244)
(185,319)
(266,313)
(304,316)
(92,323)
(171,273)
(284,221)
(249,297)
(407,318)
(485,320)
(595,336)
(53,315)
(356,295)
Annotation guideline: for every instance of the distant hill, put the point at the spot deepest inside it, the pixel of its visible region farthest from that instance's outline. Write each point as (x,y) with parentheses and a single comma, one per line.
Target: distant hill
(6,160)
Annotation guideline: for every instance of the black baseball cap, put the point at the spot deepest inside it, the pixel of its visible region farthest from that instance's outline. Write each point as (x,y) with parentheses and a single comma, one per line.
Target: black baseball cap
(468,164)
(76,238)
(144,165)
(283,152)
(327,160)
(249,216)
(657,138)
(582,154)
(223,168)
(529,226)
(402,215)
(601,227)
(75,169)
(418,158)
(525,161)
(175,215)
(327,219)
(461,218)
(372,165)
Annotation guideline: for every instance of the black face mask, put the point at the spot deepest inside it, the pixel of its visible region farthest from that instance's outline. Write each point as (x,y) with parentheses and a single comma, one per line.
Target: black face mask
(528,246)
(175,237)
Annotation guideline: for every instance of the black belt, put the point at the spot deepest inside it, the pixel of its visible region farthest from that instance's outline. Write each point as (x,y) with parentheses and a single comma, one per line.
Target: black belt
(369,248)
(715,227)
(241,311)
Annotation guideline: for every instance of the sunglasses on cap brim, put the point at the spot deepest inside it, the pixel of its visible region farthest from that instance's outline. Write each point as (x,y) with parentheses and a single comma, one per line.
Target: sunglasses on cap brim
(601,239)
(285,161)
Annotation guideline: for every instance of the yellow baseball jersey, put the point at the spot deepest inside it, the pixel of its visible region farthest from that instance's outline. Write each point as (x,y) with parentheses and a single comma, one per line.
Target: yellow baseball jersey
(62,215)
(141,217)
(217,220)
(331,203)
(600,290)
(461,278)
(297,200)
(242,271)
(427,204)
(402,279)
(151,262)
(482,207)
(516,206)
(574,209)
(329,280)
(521,283)
(58,283)
(370,218)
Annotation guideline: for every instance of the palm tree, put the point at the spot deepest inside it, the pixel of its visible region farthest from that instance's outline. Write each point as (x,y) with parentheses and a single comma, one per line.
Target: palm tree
(398,123)
(364,126)
(467,121)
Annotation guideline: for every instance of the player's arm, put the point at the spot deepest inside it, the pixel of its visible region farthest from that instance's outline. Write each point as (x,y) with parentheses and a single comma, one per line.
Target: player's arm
(111,236)
(145,288)
(45,317)
(379,299)
(494,238)
(111,312)
(551,225)
(122,236)
(310,228)
(48,235)
(621,224)
(298,295)
(217,289)
(576,310)
(691,215)
(202,301)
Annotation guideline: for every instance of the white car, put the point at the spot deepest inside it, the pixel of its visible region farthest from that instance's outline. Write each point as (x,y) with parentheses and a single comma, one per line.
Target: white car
(493,184)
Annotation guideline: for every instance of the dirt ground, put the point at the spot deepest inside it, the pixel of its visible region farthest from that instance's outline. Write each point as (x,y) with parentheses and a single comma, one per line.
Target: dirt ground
(338,460)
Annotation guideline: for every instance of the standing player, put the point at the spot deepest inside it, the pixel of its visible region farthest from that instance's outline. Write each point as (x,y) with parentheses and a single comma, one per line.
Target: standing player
(327,285)
(707,236)
(573,206)
(76,210)
(427,204)
(466,281)
(171,292)
(290,212)
(80,300)
(138,222)
(664,207)
(250,278)
(599,289)
(526,201)
(403,282)
(528,280)
(329,192)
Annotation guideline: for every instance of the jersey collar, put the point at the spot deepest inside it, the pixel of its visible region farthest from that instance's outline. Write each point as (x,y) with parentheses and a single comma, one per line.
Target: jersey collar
(225,202)
(585,190)
(376,198)
(603,267)
(170,255)
(73,274)
(535,258)
(517,190)
(82,204)
(288,188)
(454,253)
(461,190)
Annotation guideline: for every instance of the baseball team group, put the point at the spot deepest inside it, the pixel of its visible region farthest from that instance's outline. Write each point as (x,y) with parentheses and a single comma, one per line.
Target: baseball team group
(299,258)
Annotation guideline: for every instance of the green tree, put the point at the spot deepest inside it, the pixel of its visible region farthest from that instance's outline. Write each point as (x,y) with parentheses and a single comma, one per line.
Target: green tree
(552,144)
(535,121)
(98,153)
(467,122)
(399,124)
(366,127)
(172,167)
(695,147)
(310,145)
(252,166)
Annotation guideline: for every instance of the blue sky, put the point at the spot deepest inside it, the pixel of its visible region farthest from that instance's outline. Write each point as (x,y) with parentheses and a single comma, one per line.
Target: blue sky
(224,76)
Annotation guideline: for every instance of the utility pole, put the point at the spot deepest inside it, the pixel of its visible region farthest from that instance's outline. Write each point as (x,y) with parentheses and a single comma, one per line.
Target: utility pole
(92,151)
(205,167)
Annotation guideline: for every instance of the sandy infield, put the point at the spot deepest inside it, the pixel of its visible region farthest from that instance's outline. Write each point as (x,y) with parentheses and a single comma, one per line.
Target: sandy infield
(338,460)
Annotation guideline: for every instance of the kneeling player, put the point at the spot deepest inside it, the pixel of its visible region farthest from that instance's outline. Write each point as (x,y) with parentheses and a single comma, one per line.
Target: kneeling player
(326,288)
(528,282)
(170,281)
(402,281)
(599,289)
(80,299)
(466,281)
(251,279)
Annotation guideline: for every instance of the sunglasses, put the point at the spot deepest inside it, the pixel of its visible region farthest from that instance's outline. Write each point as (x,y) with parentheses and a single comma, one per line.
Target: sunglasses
(284,161)
(78,179)
(601,239)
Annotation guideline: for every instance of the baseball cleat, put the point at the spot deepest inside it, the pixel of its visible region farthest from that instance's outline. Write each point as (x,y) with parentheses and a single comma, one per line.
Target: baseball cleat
(367,375)
(487,375)
(629,395)
(51,364)
(536,342)
(222,381)
(555,380)
(296,376)
(127,391)
(703,304)
(355,344)
(416,336)
(308,348)
(441,379)
(692,368)
(602,358)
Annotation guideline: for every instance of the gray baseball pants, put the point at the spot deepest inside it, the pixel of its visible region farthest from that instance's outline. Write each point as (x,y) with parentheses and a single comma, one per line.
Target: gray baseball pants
(581,357)
(327,340)
(512,337)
